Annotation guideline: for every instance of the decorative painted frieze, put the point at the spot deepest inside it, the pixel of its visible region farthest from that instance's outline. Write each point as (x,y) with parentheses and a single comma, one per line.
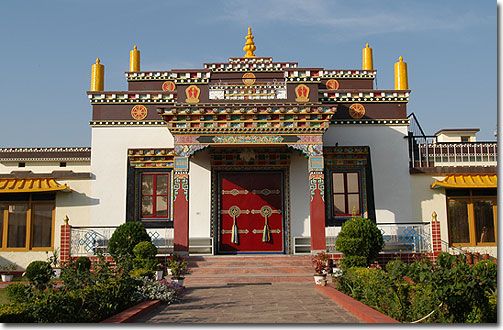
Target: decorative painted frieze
(178,77)
(274,91)
(125,123)
(128,97)
(257,64)
(341,96)
(390,122)
(151,158)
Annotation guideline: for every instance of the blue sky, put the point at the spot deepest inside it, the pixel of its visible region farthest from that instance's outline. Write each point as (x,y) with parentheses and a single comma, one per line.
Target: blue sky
(48,46)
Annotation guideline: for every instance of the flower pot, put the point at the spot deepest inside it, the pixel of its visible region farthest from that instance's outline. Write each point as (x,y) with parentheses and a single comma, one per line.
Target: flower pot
(320,279)
(336,272)
(178,280)
(158,275)
(7,277)
(56,272)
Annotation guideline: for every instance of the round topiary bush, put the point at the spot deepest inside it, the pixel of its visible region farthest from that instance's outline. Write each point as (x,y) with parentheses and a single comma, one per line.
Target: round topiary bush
(83,264)
(145,250)
(360,240)
(125,238)
(39,273)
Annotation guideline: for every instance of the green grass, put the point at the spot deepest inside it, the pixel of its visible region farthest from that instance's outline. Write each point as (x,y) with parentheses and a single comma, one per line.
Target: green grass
(3,297)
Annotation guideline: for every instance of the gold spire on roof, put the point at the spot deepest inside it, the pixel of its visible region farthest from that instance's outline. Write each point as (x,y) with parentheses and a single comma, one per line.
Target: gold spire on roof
(97,76)
(134,60)
(249,47)
(367,60)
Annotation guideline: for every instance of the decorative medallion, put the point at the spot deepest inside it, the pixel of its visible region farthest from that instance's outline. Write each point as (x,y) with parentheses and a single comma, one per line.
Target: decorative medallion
(192,92)
(302,93)
(357,110)
(248,79)
(139,112)
(332,84)
(235,192)
(168,86)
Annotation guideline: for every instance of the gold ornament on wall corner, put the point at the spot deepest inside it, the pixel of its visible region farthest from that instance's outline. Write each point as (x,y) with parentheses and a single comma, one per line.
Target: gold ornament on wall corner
(192,92)
(168,86)
(357,110)
(139,112)
(302,93)
(249,78)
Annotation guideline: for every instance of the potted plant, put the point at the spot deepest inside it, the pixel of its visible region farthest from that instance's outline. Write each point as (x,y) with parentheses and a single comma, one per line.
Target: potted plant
(178,266)
(159,271)
(7,270)
(320,263)
(53,260)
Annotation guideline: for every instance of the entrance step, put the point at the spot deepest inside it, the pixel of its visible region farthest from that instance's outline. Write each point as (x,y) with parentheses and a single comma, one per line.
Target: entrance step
(222,270)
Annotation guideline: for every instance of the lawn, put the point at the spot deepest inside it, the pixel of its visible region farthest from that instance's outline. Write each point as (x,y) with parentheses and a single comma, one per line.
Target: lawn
(3,297)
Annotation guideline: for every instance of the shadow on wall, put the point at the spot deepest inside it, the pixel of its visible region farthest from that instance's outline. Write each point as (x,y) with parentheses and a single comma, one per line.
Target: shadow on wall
(76,198)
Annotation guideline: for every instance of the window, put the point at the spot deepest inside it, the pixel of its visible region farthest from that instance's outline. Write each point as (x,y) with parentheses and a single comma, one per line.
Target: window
(472,219)
(465,139)
(346,198)
(155,195)
(27,222)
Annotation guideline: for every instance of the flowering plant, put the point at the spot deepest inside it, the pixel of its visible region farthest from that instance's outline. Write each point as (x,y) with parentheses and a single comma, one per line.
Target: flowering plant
(320,263)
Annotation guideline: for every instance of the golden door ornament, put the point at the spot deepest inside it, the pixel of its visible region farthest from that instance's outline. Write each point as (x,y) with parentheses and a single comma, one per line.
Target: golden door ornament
(357,110)
(302,93)
(139,112)
(192,92)
(168,86)
(234,212)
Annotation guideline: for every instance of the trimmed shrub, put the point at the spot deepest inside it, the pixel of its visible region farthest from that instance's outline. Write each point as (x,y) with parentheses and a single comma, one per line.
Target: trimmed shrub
(145,250)
(125,238)
(83,264)
(361,239)
(19,292)
(15,313)
(39,273)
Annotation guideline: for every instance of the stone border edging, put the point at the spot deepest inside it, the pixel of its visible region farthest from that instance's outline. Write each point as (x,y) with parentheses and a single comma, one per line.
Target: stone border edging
(129,314)
(359,310)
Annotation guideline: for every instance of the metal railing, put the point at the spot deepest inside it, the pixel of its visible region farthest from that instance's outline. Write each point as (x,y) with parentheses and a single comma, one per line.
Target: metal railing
(90,241)
(398,237)
(425,153)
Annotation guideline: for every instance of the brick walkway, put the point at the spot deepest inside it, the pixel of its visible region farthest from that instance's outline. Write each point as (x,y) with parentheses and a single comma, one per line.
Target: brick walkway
(276,303)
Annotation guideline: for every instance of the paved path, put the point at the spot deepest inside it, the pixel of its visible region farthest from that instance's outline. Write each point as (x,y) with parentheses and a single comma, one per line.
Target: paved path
(276,303)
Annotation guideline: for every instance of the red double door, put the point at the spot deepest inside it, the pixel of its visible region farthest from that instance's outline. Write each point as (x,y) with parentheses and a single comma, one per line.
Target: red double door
(251,212)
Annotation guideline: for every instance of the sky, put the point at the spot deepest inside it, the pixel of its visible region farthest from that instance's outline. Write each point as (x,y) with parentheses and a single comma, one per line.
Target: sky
(48,48)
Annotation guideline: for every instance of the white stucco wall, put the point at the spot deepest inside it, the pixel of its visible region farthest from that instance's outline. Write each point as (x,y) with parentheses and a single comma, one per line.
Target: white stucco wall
(44,167)
(299,196)
(390,165)
(109,166)
(200,195)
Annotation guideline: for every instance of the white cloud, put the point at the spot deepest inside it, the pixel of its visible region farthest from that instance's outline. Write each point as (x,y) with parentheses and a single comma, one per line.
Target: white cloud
(358,18)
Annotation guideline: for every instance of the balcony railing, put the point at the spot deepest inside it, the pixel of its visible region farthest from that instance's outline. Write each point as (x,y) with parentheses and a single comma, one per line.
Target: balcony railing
(91,241)
(425,152)
(398,237)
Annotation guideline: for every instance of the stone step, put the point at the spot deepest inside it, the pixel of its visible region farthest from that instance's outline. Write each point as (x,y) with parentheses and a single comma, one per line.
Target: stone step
(248,261)
(253,269)
(191,281)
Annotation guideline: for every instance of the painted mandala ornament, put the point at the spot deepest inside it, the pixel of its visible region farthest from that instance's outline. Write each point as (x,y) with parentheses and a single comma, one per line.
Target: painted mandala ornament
(192,92)
(357,110)
(332,84)
(168,86)
(248,79)
(139,112)
(302,93)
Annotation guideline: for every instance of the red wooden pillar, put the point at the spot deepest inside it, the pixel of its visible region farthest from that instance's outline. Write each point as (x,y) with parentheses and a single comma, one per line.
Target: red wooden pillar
(436,240)
(181,206)
(65,239)
(317,204)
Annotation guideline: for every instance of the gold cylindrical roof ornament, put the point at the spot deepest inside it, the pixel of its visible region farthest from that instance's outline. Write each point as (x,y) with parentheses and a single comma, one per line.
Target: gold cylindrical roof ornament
(134,60)
(367,59)
(249,47)
(401,79)
(97,76)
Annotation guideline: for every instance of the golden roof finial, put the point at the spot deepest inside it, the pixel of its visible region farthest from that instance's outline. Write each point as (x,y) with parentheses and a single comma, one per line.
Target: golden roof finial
(249,47)
(97,60)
